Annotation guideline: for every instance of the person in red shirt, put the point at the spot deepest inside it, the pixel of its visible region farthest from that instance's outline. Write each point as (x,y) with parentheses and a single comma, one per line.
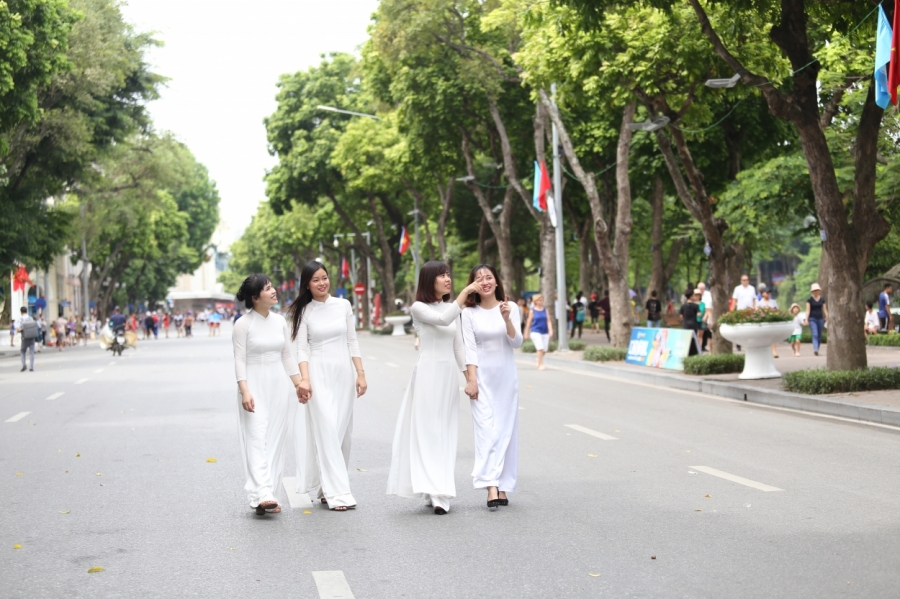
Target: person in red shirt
(166,324)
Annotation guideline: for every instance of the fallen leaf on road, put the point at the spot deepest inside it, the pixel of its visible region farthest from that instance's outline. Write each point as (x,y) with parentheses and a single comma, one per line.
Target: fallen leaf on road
(528,386)
(591,455)
(698,510)
(65,511)
(362,469)
(687,451)
(307,512)
(708,496)
(618,431)
(211,460)
(17,546)
(95,569)
(19,474)
(652,557)
(99,474)
(232,548)
(77,455)
(596,575)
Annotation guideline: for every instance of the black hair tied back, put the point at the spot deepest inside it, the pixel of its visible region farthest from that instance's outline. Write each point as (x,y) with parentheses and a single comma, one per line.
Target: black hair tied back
(251,289)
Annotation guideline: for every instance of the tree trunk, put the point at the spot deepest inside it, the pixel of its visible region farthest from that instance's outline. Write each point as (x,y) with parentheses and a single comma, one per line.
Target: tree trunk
(614,256)
(657,274)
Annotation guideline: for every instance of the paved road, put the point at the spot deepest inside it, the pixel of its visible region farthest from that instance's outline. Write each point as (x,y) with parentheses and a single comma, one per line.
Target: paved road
(113,473)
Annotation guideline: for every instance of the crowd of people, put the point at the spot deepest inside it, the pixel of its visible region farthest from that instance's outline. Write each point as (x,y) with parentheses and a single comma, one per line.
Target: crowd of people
(316,349)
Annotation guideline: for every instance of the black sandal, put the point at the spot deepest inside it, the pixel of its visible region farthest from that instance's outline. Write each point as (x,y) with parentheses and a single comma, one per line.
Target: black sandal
(440,511)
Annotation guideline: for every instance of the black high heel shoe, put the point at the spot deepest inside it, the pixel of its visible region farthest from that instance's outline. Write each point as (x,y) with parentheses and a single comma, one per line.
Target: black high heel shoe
(493,503)
(503,501)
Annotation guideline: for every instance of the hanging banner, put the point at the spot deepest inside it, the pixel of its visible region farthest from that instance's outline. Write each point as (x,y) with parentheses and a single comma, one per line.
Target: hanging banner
(660,348)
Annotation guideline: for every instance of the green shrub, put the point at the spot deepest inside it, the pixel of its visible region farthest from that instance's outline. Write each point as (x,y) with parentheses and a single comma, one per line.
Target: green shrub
(604,354)
(753,316)
(816,382)
(578,344)
(889,340)
(385,330)
(714,364)
(806,336)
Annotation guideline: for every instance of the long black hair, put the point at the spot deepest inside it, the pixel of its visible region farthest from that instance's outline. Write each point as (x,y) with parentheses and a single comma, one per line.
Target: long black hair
(475,298)
(295,312)
(251,288)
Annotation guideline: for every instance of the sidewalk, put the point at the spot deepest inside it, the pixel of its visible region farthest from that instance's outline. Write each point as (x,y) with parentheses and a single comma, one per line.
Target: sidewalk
(874,406)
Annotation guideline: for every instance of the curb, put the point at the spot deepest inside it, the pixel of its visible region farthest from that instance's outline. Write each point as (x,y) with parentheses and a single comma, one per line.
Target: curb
(769,397)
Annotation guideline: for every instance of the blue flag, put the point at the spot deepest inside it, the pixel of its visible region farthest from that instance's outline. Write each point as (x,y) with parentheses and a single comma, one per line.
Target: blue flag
(536,199)
(882,58)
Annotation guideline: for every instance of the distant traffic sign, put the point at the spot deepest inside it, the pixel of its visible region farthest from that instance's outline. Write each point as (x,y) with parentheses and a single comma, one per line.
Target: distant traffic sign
(359,289)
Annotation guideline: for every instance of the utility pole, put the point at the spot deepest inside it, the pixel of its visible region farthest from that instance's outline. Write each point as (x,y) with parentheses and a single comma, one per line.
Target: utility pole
(86,308)
(562,293)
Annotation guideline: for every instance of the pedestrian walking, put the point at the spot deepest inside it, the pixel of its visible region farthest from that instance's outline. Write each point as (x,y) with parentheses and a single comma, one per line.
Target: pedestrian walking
(744,295)
(188,324)
(491,332)
(328,352)
(28,329)
(12,333)
(594,309)
(797,334)
(263,360)
(884,308)
(60,328)
(690,314)
(166,321)
(178,320)
(155,328)
(816,315)
(539,329)
(423,457)
(654,310)
(579,314)
(70,331)
(607,313)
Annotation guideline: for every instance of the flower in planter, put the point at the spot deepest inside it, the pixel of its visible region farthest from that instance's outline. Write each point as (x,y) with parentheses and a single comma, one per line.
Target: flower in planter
(753,316)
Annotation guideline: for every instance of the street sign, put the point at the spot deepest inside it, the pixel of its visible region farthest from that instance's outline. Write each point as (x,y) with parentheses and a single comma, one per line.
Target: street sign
(359,289)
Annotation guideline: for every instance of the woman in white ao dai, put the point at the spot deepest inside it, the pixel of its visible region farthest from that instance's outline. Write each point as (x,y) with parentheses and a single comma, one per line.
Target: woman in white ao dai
(263,361)
(333,377)
(423,459)
(491,331)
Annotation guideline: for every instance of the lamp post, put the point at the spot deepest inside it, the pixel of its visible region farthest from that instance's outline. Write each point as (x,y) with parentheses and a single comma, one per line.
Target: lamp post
(562,292)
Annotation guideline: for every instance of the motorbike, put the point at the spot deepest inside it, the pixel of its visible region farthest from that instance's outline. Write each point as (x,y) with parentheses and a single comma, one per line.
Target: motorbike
(118,341)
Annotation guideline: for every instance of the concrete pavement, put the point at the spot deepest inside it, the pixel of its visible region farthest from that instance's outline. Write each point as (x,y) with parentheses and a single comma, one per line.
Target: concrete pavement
(114,473)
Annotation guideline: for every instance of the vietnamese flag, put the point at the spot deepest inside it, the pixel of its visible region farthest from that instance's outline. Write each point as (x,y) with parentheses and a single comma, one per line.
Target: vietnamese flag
(894,67)
(345,268)
(404,241)
(545,184)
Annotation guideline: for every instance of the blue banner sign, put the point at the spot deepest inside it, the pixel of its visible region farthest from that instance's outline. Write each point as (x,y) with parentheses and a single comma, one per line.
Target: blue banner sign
(659,348)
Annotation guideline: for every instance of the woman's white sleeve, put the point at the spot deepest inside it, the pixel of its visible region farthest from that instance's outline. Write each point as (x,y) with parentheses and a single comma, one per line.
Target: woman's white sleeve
(352,341)
(459,348)
(239,342)
(303,335)
(425,313)
(468,333)
(288,356)
(516,318)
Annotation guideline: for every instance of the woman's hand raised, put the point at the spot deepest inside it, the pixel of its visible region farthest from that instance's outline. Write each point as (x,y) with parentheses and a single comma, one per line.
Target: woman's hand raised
(504,310)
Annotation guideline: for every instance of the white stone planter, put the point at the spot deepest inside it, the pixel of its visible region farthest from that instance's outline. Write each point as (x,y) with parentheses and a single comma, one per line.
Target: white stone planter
(756,340)
(397,322)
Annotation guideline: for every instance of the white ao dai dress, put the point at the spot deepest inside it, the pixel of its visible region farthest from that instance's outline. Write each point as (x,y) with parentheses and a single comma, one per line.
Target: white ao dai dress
(264,357)
(495,413)
(326,339)
(423,459)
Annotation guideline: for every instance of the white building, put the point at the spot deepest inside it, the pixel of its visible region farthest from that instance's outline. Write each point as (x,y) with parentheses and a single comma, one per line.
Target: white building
(201,289)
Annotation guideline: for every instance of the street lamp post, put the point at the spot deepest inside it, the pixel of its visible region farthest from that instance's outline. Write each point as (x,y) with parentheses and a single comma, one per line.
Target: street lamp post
(561,291)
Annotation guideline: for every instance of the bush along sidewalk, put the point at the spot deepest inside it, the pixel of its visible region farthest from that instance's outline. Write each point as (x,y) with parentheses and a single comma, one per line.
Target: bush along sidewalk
(806,336)
(604,354)
(818,382)
(574,344)
(889,340)
(714,364)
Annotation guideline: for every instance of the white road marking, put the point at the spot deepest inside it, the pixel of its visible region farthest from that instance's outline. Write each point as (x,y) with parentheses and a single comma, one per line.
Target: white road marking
(332,585)
(56,395)
(392,364)
(18,416)
(371,358)
(79,381)
(736,479)
(98,371)
(588,431)
(295,499)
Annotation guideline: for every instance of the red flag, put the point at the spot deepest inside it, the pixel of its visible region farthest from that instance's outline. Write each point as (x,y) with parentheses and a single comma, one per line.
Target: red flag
(20,278)
(894,67)
(345,268)
(546,186)
(404,242)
